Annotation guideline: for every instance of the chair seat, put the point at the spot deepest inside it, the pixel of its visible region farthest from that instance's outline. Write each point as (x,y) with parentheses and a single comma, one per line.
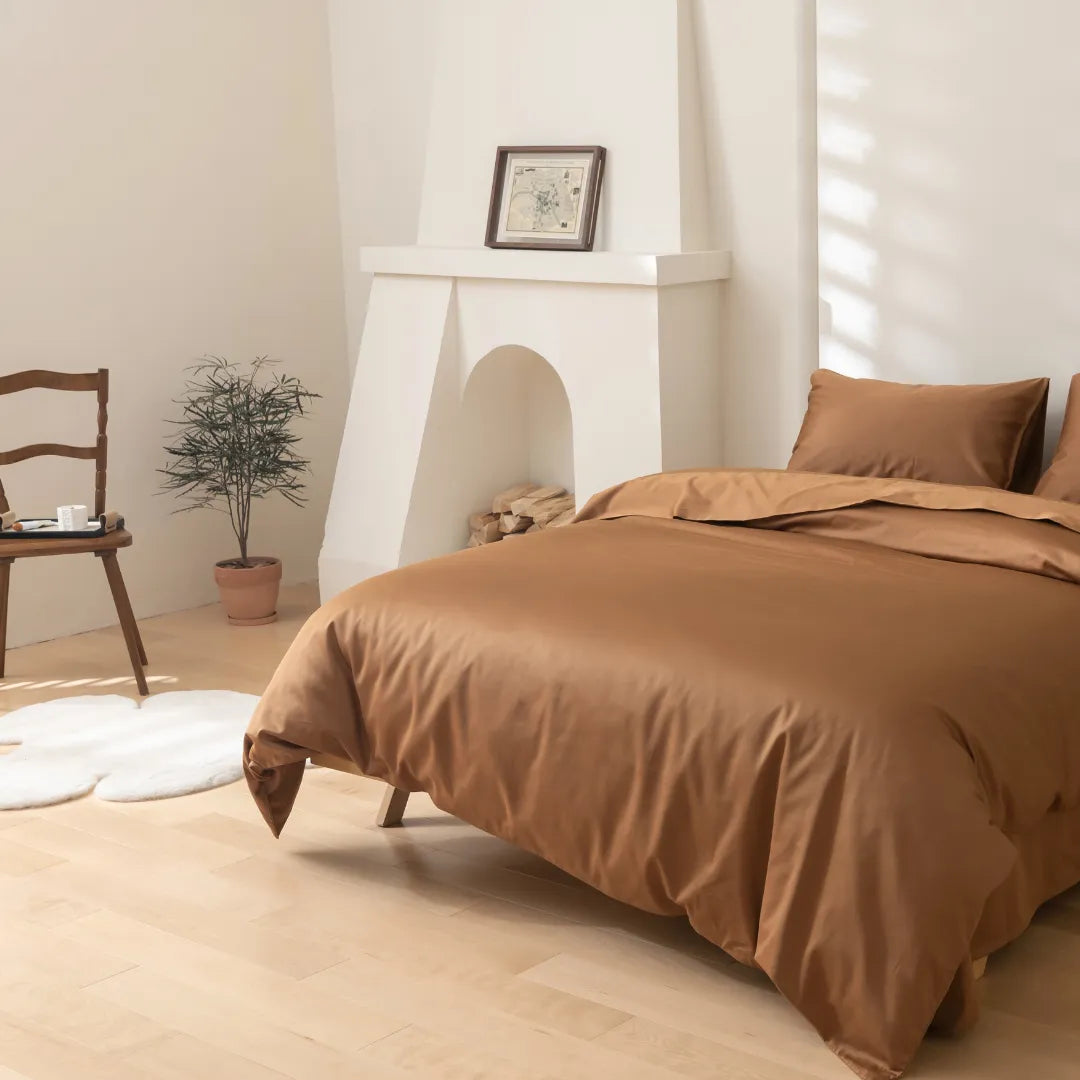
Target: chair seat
(35,546)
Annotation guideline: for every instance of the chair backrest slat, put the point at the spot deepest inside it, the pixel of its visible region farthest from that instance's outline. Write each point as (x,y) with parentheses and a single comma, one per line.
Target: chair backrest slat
(96,381)
(49,380)
(47,449)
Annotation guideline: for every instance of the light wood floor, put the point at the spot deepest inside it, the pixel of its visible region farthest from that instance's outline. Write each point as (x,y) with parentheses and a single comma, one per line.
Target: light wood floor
(178,940)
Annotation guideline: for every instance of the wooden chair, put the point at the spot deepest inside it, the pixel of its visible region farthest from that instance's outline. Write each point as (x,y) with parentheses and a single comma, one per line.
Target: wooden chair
(103,547)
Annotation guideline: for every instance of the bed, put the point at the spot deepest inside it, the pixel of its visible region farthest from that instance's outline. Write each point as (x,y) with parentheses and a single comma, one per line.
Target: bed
(838,720)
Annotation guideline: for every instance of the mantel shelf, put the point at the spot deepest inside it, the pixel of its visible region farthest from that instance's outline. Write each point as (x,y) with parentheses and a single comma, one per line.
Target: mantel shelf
(577,267)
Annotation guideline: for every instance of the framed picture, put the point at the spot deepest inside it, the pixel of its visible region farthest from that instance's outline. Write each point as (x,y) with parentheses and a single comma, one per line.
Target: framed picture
(545,197)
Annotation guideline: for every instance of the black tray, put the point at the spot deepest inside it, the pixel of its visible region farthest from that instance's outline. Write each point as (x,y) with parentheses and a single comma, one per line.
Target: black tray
(93,528)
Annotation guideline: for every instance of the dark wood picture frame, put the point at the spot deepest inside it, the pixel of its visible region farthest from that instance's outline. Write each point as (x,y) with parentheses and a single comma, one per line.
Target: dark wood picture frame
(590,201)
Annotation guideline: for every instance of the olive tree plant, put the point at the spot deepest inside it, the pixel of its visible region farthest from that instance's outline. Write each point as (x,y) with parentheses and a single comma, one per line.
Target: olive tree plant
(234,441)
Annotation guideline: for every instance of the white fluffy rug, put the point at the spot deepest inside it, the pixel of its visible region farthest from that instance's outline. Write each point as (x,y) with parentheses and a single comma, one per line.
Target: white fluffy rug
(123,751)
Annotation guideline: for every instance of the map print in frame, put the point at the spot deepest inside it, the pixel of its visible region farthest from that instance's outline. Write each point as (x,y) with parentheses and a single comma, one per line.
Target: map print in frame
(545,197)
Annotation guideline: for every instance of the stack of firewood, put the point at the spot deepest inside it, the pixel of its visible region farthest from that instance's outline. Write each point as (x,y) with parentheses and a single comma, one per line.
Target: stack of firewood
(524,508)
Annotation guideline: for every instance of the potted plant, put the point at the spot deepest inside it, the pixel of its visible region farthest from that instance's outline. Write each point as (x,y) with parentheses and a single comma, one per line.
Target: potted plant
(233,444)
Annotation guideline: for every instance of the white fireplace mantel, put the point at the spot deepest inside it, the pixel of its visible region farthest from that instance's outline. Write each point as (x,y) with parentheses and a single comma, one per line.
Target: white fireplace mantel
(443,414)
(581,267)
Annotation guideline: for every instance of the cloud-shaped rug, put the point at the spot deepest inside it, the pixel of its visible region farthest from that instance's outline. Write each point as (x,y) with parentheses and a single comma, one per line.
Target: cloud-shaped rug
(123,751)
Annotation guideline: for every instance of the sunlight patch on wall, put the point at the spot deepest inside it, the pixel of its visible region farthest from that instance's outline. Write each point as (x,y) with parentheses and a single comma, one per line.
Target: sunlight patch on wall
(844,256)
(843,141)
(836,81)
(854,317)
(846,200)
(836,21)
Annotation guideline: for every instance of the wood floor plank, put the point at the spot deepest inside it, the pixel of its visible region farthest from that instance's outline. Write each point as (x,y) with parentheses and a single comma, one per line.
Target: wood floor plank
(42,899)
(10,818)
(278,950)
(483,962)
(460,1011)
(105,822)
(101,869)
(354,860)
(42,1057)
(416,1052)
(297,1006)
(238,1029)
(718,1008)
(73,1014)
(692,1055)
(177,1056)
(27,949)
(18,860)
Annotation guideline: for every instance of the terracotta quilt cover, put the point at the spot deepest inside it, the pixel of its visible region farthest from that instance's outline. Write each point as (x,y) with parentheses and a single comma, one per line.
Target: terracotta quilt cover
(834,721)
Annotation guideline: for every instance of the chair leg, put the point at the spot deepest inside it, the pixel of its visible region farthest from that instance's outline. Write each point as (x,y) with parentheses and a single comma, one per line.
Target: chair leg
(138,641)
(127,618)
(392,807)
(5,581)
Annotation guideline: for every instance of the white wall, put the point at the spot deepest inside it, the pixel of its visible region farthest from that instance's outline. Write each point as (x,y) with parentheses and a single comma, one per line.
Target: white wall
(950,189)
(383,59)
(168,189)
(757,75)
(595,72)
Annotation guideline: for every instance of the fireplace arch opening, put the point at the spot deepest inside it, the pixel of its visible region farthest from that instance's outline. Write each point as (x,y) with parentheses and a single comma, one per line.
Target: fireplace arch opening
(507,420)
(515,395)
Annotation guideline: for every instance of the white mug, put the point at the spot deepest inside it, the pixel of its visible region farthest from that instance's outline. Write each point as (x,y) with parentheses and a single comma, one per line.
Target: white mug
(71,518)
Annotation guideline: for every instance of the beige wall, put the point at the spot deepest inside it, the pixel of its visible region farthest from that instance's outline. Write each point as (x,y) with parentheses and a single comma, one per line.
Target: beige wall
(168,189)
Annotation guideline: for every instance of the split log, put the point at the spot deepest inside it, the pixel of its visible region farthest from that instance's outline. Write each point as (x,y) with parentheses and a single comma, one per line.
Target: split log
(527,503)
(478,520)
(563,519)
(489,532)
(501,503)
(513,523)
(551,509)
(525,508)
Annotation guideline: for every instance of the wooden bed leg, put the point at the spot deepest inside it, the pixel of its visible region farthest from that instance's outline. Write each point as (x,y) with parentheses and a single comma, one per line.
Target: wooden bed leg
(392,807)
(979,967)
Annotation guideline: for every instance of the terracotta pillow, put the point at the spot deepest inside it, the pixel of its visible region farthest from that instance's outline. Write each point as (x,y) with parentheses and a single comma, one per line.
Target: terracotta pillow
(1062,479)
(990,436)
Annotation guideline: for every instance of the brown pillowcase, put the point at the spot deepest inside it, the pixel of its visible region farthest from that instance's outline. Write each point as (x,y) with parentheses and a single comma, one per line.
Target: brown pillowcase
(989,436)
(1062,480)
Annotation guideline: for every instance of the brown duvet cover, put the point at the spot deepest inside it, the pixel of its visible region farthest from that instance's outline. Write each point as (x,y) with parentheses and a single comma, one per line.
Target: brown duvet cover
(833,720)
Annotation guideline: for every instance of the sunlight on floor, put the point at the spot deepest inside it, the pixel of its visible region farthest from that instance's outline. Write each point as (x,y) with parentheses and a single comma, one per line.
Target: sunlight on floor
(88,684)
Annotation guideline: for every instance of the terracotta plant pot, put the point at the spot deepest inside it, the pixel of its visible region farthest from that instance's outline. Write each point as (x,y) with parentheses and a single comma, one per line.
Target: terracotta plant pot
(249,593)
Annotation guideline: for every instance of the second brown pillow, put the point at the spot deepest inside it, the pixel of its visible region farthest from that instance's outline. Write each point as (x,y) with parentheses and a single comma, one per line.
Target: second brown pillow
(1062,479)
(989,436)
